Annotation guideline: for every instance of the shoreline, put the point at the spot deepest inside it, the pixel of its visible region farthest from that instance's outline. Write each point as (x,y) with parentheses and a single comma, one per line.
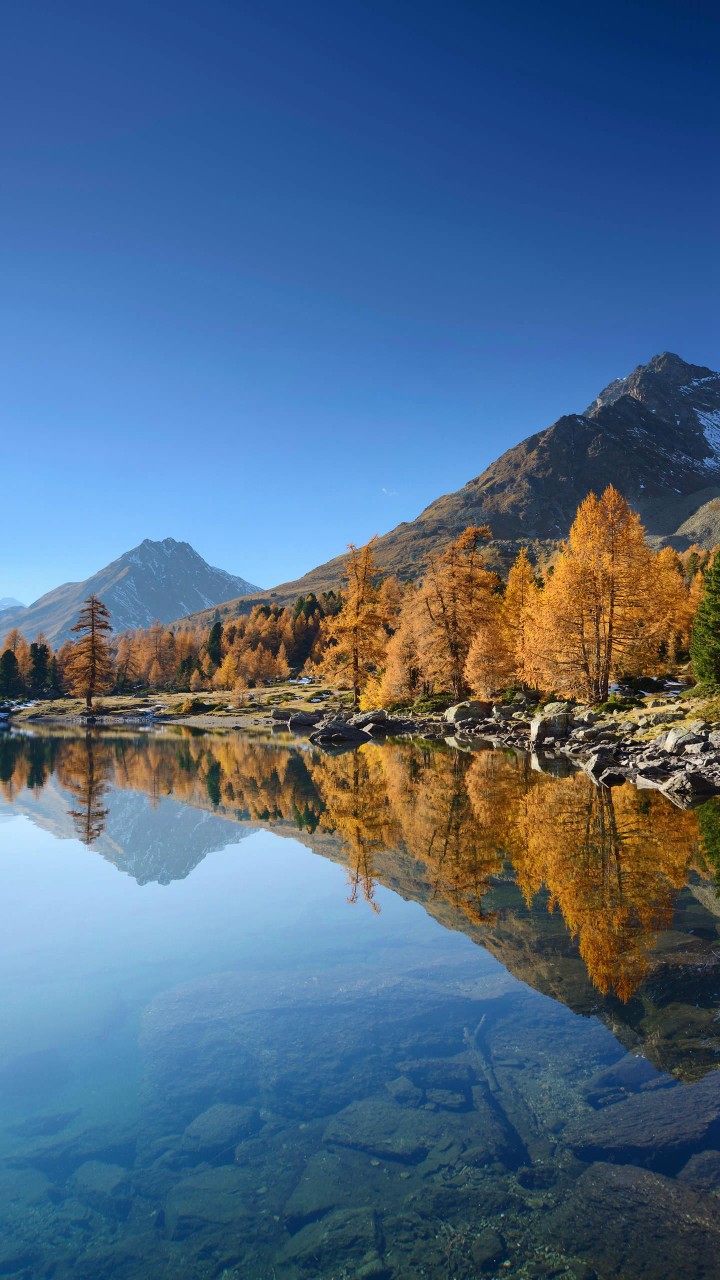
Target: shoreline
(681,759)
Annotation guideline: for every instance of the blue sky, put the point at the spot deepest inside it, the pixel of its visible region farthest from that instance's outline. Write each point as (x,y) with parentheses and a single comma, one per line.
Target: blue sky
(275,276)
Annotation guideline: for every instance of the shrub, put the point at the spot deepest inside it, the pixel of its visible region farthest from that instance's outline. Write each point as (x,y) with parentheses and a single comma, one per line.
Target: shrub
(704,689)
(432,703)
(616,703)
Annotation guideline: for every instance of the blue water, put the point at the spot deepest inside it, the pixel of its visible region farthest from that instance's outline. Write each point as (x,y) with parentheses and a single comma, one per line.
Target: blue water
(240,1073)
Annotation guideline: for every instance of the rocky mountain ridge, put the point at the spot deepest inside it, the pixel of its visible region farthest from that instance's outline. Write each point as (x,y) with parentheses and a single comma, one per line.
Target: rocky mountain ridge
(155,581)
(654,434)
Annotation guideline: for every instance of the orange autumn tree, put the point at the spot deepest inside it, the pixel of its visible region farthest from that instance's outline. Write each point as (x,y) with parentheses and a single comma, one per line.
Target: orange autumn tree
(457,596)
(598,615)
(403,678)
(498,653)
(90,666)
(355,639)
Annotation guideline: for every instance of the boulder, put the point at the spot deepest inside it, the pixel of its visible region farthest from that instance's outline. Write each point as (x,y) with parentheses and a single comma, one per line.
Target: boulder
(385,1129)
(210,1198)
(105,1187)
(678,739)
(404,1091)
(702,1171)
(552,722)
(304,719)
(612,778)
(660,1128)
(599,762)
(337,731)
(587,717)
(347,1242)
(363,718)
(475,710)
(626,1076)
(502,712)
(213,1135)
(389,725)
(685,786)
(633,1223)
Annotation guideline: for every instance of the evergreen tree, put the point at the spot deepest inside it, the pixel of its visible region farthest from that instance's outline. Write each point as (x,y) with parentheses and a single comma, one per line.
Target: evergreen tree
(214,644)
(54,683)
(705,642)
(10,682)
(39,668)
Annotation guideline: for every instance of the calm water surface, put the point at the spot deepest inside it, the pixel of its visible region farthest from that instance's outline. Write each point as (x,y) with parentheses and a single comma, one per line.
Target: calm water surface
(399,1012)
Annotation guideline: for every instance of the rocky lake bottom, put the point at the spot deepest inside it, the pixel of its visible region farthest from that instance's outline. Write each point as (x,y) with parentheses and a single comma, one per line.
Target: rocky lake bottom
(272,1013)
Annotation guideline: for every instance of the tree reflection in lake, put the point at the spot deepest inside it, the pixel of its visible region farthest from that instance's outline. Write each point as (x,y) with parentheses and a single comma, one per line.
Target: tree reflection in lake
(86,773)
(612,862)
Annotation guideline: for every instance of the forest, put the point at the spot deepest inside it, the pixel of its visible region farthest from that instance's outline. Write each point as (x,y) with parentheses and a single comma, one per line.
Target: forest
(607,608)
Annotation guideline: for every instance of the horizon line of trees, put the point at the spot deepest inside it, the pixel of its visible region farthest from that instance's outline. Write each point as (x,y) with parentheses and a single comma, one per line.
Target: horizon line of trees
(607,608)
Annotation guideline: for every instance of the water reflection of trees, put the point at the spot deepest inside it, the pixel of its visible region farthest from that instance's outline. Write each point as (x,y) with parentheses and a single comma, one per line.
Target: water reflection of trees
(612,861)
(86,769)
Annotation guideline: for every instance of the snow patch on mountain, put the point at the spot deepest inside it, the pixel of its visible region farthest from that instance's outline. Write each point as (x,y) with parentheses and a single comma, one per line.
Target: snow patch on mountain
(710,423)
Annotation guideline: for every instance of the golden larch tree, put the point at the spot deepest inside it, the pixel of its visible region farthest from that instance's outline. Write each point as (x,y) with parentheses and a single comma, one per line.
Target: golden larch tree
(457,596)
(591,618)
(355,639)
(90,667)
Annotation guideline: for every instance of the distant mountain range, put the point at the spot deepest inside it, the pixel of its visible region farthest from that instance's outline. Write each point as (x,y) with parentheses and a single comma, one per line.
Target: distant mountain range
(9,602)
(157,581)
(655,435)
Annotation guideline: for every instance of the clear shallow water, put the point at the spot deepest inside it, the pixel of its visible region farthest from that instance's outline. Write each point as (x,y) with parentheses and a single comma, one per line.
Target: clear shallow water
(498,1058)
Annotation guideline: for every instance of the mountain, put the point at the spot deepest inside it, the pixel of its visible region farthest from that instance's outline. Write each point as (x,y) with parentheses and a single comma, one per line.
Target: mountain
(155,581)
(655,435)
(9,602)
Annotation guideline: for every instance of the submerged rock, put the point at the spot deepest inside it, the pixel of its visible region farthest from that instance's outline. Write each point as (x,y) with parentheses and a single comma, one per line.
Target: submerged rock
(702,1171)
(630,1222)
(105,1187)
(348,1238)
(659,1128)
(404,1091)
(217,1131)
(217,1197)
(385,1129)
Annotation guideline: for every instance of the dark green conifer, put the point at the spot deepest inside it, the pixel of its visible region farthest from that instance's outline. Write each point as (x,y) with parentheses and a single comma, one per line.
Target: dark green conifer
(705,642)
(10,682)
(214,644)
(39,668)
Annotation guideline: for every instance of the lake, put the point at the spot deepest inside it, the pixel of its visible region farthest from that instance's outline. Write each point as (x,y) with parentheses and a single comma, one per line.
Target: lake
(401,1011)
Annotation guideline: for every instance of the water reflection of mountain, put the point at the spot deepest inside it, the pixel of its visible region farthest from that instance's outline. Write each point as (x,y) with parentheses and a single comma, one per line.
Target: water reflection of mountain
(601,899)
(152,838)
